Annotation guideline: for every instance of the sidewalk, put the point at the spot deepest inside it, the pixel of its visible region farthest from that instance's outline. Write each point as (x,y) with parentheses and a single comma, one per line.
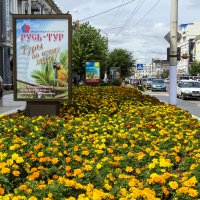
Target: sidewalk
(8,105)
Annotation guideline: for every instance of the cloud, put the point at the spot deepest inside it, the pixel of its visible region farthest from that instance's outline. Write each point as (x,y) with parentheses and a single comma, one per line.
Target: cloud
(139,26)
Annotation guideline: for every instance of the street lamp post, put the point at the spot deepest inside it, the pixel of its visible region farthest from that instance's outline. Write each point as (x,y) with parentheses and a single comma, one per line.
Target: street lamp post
(173,53)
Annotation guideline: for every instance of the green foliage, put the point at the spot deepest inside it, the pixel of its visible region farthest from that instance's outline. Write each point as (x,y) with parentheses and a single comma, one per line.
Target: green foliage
(87,44)
(194,69)
(63,59)
(165,74)
(44,76)
(124,59)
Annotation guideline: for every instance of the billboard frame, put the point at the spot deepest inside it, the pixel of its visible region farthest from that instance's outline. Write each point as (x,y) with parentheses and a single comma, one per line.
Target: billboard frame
(99,78)
(68,19)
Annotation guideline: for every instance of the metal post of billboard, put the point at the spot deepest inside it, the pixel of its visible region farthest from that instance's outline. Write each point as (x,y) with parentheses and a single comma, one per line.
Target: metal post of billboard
(173,53)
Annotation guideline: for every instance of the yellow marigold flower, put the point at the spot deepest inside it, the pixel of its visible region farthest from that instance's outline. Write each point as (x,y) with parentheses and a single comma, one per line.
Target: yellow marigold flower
(129,169)
(192,192)
(130,154)
(191,182)
(99,166)
(182,190)
(9,162)
(141,155)
(54,161)
(12,148)
(5,170)
(2,191)
(42,186)
(50,182)
(165,162)
(40,154)
(77,171)
(193,166)
(70,198)
(125,145)
(88,167)
(107,186)
(86,153)
(173,185)
(123,191)
(32,198)
(16,173)
(151,165)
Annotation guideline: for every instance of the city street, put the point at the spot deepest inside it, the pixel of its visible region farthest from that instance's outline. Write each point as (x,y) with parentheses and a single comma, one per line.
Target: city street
(192,105)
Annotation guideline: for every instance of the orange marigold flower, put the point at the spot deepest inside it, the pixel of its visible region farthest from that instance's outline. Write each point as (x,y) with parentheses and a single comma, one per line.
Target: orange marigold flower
(36,174)
(16,173)
(68,168)
(54,161)
(165,191)
(23,187)
(2,191)
(68,159)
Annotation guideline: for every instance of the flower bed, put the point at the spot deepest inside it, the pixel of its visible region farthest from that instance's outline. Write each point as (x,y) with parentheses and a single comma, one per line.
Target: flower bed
(110,143)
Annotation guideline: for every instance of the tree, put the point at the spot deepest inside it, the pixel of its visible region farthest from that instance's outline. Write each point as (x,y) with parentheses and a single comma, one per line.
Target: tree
(194,69)
(165,74)
(124,59)
(87,44)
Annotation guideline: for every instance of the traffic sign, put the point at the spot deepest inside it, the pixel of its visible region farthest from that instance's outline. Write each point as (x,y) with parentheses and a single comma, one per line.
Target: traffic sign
(167,37)
(140,66)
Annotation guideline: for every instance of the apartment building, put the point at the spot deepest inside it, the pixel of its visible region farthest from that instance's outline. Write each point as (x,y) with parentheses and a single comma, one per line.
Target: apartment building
(7,9)
(189,45)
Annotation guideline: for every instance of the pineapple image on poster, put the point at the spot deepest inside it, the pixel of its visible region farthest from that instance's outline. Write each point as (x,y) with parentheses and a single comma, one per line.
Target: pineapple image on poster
(42,58)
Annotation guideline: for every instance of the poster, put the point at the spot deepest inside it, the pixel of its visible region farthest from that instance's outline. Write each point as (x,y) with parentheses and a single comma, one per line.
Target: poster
(92,72)
(42,49)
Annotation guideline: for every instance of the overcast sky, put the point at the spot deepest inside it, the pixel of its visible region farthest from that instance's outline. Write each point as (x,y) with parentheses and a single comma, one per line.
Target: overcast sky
(136,25)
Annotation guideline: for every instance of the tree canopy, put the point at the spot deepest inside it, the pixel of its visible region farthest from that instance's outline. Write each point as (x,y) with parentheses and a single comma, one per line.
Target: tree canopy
(87,44)
(122,58)
(194,69)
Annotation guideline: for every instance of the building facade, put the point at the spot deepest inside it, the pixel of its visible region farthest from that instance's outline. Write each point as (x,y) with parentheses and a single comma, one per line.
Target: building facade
(189,37)
(7,9)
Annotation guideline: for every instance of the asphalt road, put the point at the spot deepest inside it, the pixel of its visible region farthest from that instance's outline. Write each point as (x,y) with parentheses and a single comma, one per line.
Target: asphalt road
(191,105)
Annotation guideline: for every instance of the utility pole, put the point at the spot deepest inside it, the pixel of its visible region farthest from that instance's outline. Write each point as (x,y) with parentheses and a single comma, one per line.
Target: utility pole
(173,53)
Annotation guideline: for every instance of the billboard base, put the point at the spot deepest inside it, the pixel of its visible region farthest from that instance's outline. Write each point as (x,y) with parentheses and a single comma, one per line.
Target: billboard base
(41,108)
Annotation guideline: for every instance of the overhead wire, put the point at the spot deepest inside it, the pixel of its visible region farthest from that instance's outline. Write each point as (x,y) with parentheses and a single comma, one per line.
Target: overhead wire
(117,14)
(133,13)
(142,17)
(107,11)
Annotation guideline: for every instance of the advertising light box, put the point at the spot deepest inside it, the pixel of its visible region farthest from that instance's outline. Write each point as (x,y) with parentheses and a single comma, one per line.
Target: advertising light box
(42,57)
(92,72)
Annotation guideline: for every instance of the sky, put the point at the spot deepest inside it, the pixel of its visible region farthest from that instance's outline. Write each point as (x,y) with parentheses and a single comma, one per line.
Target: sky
(138,26)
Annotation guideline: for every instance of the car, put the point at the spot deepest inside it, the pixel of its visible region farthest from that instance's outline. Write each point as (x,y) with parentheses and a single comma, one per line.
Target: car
(158,85)
(1,87)
(187,89)
(149,81)
(167,80)
(143,81)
